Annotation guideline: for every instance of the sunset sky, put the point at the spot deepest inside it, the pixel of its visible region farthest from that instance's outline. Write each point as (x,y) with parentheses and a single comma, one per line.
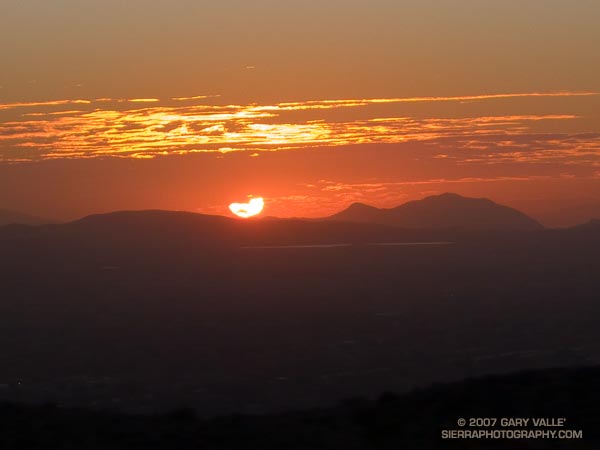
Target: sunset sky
(192,105)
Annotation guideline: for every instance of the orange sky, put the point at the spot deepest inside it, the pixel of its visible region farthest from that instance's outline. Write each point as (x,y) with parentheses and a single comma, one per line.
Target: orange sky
(188,105)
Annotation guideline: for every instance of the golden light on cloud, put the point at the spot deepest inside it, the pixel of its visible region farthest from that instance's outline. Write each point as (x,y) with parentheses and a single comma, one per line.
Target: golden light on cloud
(250,209)
(115,128)
(144,100)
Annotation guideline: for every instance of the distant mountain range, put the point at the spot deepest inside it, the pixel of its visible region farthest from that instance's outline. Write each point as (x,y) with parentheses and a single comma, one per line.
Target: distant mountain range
(8,217)
(442,211)
(440,219)
(446,217)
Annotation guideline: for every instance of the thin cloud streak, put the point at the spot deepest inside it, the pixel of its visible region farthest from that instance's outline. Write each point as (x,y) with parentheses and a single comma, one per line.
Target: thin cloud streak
(143,100)
(316,104)
(8,106)
(329,104)
(195,97)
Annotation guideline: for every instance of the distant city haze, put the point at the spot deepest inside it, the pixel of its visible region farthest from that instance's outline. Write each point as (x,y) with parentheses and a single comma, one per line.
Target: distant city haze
(311,105)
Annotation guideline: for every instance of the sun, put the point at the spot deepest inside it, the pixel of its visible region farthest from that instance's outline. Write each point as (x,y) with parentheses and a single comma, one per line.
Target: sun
(254,206)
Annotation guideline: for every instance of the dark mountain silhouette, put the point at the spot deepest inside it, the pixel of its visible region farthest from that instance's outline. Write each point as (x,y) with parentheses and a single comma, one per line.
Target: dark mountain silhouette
(592,224)
(447,217)
(10,217)
(442,211)
(156,228)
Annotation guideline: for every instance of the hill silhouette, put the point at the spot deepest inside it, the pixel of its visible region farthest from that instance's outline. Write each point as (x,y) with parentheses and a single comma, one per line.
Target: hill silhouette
(446,217)
(412,420)
(14,217)
(443,211)
(155,228)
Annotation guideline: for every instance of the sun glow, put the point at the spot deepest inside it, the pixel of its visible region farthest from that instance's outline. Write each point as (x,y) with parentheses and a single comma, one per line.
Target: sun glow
(245,210)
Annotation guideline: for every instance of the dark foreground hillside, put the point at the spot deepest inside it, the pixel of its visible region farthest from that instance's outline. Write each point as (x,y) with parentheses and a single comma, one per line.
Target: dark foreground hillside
(410,421)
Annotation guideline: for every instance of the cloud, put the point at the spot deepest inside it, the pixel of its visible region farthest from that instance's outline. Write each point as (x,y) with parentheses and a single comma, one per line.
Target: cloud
(109,127)
(329,104)
(8,106)
(143,100)
(195,97)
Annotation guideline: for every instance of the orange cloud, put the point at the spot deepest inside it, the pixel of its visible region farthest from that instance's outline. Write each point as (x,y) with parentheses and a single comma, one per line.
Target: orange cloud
(8,106)
(151,131)
(143,100)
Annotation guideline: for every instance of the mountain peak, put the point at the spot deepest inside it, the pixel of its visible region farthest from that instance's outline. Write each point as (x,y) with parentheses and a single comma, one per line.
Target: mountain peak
(358,206)
(451,196)
(447,210)
(447,195)
(359,212)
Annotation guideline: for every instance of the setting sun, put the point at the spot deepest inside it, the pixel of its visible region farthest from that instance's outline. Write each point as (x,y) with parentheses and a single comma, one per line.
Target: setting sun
(250,209)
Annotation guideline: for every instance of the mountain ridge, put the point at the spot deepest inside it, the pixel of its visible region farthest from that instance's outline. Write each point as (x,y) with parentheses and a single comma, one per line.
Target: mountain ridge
(8,217)
(448,210)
